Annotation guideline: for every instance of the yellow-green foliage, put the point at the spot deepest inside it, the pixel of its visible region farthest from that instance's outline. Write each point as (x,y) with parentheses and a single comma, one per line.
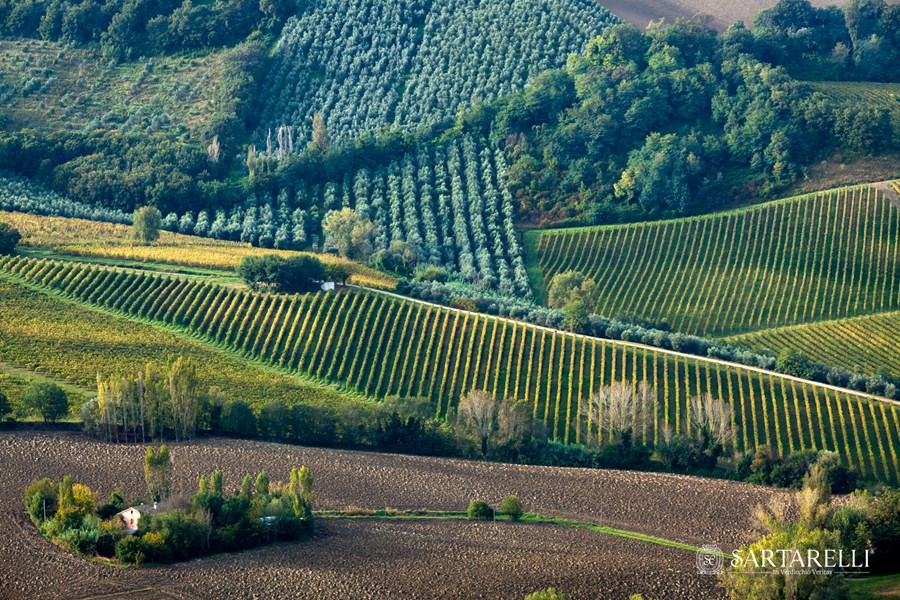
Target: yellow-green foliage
(380,346)
(823,256)
(58,337)
(866,344)
(80,237)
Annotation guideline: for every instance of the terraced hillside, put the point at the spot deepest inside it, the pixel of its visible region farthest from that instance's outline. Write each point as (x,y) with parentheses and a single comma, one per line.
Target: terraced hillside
(379,345)
(410,63)
(822,256)
(866,344)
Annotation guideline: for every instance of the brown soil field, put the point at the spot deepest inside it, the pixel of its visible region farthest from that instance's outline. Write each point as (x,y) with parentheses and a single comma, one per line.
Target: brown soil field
(384,559)
(723,12)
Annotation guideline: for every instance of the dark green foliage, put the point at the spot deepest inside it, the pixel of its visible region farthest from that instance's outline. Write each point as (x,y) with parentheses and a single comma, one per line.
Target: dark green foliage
(857,43)
(289,275)
(400,259)
(41,500)
(146,223)
(622,455)
(238,419)
(765,467)
(512,507)
(337,272)
(127,29)
(130,550)
(793,362)
(685,454)
(5,406)
(46,399)
(479,510)
(9,238)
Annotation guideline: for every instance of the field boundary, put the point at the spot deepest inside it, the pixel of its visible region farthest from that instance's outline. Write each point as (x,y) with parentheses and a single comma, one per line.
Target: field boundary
(297,376)
(645,347)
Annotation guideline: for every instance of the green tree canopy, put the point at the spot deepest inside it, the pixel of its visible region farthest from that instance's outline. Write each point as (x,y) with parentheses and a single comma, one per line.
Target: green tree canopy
(46,399)
(568,287)
(351,234)
(147,221)
(9,238)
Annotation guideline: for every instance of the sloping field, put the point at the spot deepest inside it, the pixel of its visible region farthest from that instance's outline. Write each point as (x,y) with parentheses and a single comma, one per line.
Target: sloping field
(350,559)
(379,345)
(81,237)
(823,256)
(861,344)
(70,342)
(51,86)
(366,64)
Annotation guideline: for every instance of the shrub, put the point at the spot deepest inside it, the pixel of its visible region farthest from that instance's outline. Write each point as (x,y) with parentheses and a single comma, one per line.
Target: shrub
(9,238)
(512,507)
(129,550)
(548,594)
(41,500)
(479,510)
(82,540)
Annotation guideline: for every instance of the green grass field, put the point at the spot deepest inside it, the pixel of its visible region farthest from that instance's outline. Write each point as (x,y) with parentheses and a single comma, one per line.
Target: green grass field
(41,332)
(379,345)
(862,344)
(823,256)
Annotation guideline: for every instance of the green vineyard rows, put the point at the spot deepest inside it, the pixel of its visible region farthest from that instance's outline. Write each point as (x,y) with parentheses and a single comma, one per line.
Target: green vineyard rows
(823,256)
(380,345)
(861,344)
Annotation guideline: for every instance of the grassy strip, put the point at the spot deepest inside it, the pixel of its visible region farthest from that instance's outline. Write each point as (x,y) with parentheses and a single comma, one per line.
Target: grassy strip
(531,518)
(240,377)
(875,588)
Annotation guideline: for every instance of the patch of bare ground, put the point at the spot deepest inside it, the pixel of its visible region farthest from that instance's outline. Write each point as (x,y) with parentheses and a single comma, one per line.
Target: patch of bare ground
(722,12)
(375,559)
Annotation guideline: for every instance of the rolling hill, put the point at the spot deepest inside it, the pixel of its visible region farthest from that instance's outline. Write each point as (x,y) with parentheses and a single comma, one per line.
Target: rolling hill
(413,63)
(865,344)
(377,344)
(811,258)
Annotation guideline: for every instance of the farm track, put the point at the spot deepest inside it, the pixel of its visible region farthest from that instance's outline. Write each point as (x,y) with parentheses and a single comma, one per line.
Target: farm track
(387,559)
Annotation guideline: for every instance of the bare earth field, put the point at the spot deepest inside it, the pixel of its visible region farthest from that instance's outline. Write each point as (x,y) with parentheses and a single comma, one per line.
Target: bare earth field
(723,12)
(383,559)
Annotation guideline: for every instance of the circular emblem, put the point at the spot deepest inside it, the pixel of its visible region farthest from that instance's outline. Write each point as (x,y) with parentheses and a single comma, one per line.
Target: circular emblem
(710,560)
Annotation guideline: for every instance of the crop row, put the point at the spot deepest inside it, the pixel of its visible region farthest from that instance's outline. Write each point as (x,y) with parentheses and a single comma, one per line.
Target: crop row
(867,344)
(824,256)
(367,64)
(381,345)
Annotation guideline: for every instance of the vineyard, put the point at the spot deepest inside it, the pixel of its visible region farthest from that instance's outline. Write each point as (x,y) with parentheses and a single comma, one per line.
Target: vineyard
(380,345)
(43,333)
(411,63)
(50,86)
(867,344)
(823,256)
(95,239)
(449,202)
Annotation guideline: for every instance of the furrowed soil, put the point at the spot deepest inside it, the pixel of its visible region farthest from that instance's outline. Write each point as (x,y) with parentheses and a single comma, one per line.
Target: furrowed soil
(381,558)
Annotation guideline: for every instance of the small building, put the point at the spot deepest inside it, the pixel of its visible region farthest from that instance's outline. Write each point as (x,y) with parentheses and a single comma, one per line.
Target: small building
(132,516)
(328,286)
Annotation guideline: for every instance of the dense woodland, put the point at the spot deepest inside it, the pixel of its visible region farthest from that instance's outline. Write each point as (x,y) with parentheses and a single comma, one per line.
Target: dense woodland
(584,141)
